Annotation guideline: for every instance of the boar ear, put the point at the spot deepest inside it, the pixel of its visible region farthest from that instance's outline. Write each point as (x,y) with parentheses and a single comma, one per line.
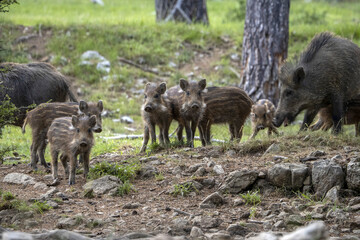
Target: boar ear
(74,120)
(147,86)
(100,105)
(183,84)
(162,88)
(299,75)
(92,121)
(202,84)
(83,106)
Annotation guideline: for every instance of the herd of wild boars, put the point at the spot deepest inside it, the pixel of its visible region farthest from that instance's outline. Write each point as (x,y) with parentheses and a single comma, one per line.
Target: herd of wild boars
(325,81)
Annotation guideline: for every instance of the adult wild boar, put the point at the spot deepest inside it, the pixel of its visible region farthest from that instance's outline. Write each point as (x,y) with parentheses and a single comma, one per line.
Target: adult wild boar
(32,83)
(328,72)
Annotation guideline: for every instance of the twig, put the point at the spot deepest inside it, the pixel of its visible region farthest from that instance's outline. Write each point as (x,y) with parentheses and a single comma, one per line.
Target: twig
(180,211)
(124,60)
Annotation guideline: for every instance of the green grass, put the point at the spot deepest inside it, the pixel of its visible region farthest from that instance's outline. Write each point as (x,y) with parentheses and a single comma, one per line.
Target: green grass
(124,189)
(124,172)
(252,197)
(183,189)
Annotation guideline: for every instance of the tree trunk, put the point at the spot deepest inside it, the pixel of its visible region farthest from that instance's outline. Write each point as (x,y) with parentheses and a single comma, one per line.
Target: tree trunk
(181,10)
(265,44)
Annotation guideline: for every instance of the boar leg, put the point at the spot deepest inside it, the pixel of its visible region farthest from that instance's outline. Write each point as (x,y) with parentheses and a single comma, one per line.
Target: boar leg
(166,134)
(256,130)
(357,129)
(179,132)
(208,133)
(273,129)
(202,133)
(232,131)
(86,163)
(64,159)
(72,170)
(34,157)
(188,133)
(337,116)
(54,164)
(41,153)
(146,138)
(193,130)
(309,116)
(152,133)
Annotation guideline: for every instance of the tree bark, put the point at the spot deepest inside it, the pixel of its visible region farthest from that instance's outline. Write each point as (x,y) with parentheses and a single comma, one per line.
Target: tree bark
(182,10)
(265,44)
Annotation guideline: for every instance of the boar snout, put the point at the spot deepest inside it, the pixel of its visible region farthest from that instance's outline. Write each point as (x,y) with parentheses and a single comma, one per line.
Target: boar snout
(148,108)
(97,129)
(278,120)
(83,144)
(260,127)
(195,106)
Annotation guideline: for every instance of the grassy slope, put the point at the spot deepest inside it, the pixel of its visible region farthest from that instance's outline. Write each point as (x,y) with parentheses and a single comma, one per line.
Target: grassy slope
(128,29)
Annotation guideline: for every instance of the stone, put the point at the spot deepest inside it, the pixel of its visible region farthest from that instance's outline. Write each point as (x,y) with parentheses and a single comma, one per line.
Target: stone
(196,233)
(41,186)
(338,215)
(317,153)
(210,222)
(126,119)
(16,236)
(66,223)
(103,185)
(333,195)
(274,148)
(279,224)
(238,181)
(180,226)
(94,58)
(200,172)
(49,193)
(208,182)
(218,170)
(212,201)
(148,171)
(236,229)
(290,175)
(353,174)
(131,205)
(354,208)
(315,230)
(60,234)
(263,236)
(195,167)
(219,236)
(297,220)
(325,175)
(19,178)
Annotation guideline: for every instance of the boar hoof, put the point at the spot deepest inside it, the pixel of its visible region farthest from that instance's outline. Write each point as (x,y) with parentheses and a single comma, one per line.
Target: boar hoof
(54,183)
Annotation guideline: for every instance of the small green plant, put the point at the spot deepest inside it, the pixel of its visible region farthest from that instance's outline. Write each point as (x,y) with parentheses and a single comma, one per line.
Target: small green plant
(124,172)
(94,223)
(159,177)
(307,197)
(252,197)
(58,200)
(124,189)
(7,196)
(253,212)
(183,189)
(79,220)
(40,207)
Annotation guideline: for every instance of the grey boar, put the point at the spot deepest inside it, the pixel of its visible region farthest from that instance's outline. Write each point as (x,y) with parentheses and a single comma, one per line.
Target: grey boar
(40,119)
(224,105)
(328,72)
(352,116)
(33,83)
(156,110)
(71,136)
(262,114)
(188,106)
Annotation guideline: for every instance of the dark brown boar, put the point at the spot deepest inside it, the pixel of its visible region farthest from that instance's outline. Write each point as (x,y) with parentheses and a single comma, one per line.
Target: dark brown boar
(224,105)
(188,106)
(43,115)
(262,114)
(33,83)
(71,136)
(352,116)
(156,110)
(328,72)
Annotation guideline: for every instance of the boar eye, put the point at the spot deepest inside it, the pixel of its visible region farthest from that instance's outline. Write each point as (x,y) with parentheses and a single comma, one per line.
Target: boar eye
(89,131)
(187,93)
(199,93)
(288,93)
(156,96)
(77,130)
(145,96)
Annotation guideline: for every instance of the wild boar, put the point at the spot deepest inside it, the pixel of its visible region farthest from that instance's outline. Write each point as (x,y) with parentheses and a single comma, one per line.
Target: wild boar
(224,105)
(33,83)
(43,115)
(71,136)
(328,72)
(188,106)
(262,114)
(156,110)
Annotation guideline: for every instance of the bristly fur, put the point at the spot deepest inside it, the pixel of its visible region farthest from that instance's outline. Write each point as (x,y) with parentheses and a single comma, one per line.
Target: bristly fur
(315,45)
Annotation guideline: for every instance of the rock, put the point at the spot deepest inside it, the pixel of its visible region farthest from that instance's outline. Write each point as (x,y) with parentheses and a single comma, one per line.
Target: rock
(94,58)
(212,201)
(265,187)
(52,204)
(274,148)
(264,236)
(317,153)
(131,205)
(60,234)
(195,167)
(210,222)
(354,208)
(19,178)
(136,235)
(148,171)
(279,224)
(218,170)
(290,175)
(103,185)
(315,230)
(126,119)
(29,223)
(295,220)
(16,236)
(333,195)
(325,175)
(200,172)
(338,215)
(49,193)
(353,174)
(231,153)
(236,229)
(208,182)
(180,226)
(196,233)
(238,181)
(66,223)
(354,201)
(219,236)
(41,186)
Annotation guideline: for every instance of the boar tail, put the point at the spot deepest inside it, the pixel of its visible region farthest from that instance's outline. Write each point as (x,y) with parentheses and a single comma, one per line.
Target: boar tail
(24,125)
(72,96)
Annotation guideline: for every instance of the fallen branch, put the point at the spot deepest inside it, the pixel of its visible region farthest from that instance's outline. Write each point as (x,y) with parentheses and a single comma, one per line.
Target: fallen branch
(126,61)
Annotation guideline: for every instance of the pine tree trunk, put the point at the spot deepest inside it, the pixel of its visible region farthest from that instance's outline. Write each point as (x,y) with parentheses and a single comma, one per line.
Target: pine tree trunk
(182,10)
(265,44)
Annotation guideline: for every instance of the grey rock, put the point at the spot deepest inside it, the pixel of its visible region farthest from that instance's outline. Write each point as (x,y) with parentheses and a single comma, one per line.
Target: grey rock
(238,202)
(195,167)
(315,230)
(41,186)
(325,175)
(210,164)
(354,201)
(238,181)
(103,185)
(231,153)
(94,58)
(264,236)
(16,236)
(148,171)
(60,234)
(200,172)
(215,153)
(131,205)
(338,215)
(49,193)
(66,223)
(19,178)
(212,201)
(208,182)
(180,226)
(317,153)
(126,119)
(354,208)
(333,195)
(353,174)
(279,224)
(137,235)
(290,175)
(237,229)
(297,220)
(29,223)
(218,170)
(196,233)
(52,204)
(219,236)
(210,222)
